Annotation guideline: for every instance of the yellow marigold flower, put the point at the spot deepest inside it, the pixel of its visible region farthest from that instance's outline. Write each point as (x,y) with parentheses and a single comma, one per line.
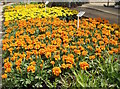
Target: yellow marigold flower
(84,65)
(56,71)
(4,76)
(116,33)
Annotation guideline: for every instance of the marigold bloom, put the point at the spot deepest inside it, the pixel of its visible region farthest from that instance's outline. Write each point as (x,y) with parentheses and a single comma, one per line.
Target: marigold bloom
(48,54)
(98,50)
(69,66)
(52,62)
(84,53)
(8,65)
(64,57)
(4,76)
(115,50)
(90,47)
(8,70)
(57,57)
(70,60)
(31,68)
(56,71)
(110,52)
(92,57)
(33,63)
(84,65)
(41,66)
(77,51)
(63,66)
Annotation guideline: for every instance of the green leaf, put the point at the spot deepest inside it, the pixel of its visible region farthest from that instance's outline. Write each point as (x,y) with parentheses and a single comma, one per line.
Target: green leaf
(28,81)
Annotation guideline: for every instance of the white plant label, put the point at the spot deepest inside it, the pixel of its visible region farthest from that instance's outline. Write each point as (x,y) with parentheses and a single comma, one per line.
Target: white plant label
(46,4)
(80,14)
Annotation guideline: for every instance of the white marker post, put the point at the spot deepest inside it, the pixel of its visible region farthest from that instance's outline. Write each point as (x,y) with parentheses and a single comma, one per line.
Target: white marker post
(80,14)
(28,1)
(25,3)
(46,4)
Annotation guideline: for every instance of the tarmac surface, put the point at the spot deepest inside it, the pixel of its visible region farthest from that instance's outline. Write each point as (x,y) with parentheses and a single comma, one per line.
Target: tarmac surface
(110,13)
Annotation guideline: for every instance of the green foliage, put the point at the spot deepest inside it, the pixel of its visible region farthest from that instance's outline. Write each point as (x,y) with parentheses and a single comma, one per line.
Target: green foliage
(105,74)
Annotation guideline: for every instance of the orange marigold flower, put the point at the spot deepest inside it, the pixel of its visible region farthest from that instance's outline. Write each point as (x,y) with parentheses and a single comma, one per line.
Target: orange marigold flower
(110,52)
(31,68)
(57,57)
(69,66)
(71,55)
(77,59)
(65,51)
(98,50)
(84,65)
(33,63)
(70,60)
(94,40)
(52,62)
(101,42)
(81,48)
(90,47)
(41,66)
(56,71)
(84,53)
(4,76)
(102,47)
(8,70)
(115,50)
(77,51)
(37,46)
(7,65)
(48,54)
(92,57)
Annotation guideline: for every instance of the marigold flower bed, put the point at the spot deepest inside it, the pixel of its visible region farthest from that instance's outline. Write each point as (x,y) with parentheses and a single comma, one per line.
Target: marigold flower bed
(36,11)
(51,52)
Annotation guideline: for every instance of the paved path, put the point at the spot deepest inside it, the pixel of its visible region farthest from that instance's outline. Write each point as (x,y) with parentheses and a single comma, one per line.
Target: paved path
(108,13)
(110,10)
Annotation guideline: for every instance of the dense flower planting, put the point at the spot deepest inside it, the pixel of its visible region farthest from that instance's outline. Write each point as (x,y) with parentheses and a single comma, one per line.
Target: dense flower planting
(52,52)
(53,45)
(35,10)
